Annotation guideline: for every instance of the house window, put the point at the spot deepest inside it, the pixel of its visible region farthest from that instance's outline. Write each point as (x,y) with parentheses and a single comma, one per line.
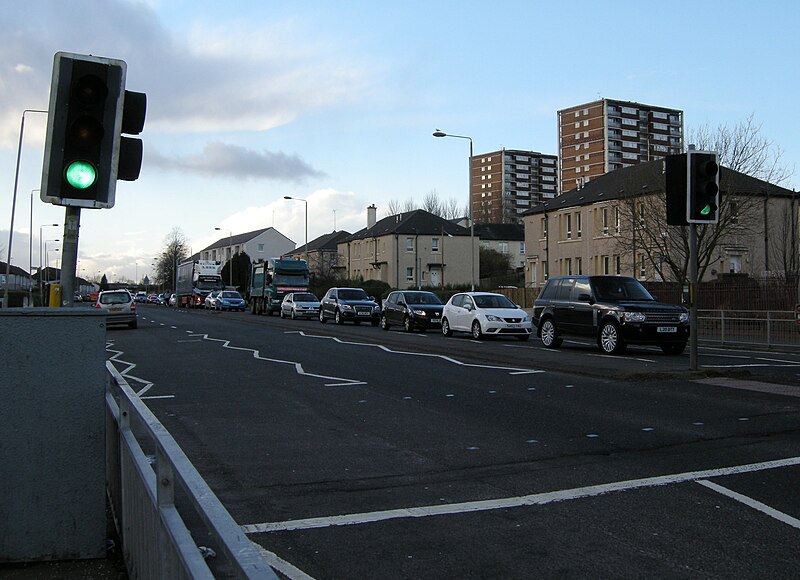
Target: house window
(544,227)
(503,247)
(617,265)
(579,265)
(616,220)
(260,248)
(641,214)
(642,271)
(568,266)
(409,244)
(409,274)
(734,209)
(605,264)
(605,220)
(522,248)
(578,224)
(434,244)
(545,271)
(568,219)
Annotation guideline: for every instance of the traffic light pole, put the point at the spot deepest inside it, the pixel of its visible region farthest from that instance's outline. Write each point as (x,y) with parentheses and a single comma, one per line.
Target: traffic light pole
(693,286)
(69,254)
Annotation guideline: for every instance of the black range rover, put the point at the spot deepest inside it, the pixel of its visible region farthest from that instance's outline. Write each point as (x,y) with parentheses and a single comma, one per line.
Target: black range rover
(615,310)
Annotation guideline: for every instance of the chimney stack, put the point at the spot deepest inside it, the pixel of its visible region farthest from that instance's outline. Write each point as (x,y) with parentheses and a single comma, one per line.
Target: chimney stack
(371,215)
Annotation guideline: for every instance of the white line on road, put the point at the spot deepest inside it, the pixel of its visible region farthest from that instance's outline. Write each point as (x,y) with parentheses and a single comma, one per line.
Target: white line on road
(750,502)
(511,370)
(512,502)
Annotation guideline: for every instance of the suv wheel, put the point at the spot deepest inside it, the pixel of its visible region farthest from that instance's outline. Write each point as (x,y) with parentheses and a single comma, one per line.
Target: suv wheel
(549,334)
(446,328)
(384,322)
(337,317)
(477,334)
(609,339)
(673,348)
(322,318)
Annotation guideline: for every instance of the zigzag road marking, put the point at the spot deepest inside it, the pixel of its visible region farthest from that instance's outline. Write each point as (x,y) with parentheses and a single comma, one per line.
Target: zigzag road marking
(340,382)
(126,373)
(511,370)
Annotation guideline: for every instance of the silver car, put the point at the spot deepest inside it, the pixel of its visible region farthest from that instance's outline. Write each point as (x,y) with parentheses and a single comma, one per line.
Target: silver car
(300,305)
(119,307)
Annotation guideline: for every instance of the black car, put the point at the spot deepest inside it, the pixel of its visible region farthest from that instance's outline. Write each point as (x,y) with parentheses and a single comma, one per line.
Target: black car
(353,304)
(412,309)
(614,310)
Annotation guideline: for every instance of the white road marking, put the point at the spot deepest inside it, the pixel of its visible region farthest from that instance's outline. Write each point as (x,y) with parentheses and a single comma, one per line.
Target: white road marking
(298,367)
(281,565)
(750,502)
(147,385)
(511,370)
(513,502)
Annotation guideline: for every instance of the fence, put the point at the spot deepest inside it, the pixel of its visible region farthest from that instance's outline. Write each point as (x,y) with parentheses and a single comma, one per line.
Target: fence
(155,491)
(749,327)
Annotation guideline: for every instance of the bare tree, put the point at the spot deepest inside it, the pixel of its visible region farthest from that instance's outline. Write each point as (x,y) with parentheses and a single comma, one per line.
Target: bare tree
(176,249)
(431,203)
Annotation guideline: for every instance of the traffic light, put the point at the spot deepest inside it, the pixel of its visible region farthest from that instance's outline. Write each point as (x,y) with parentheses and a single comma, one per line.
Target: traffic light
(675,180)
(702,205)
(85,152)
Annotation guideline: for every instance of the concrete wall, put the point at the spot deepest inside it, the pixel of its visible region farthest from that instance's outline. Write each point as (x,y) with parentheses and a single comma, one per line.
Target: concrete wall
(52,434)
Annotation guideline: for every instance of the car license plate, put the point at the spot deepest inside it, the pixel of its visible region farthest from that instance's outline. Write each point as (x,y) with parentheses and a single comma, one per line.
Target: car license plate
(514,326)
(115,309)
(363,313)
(667,329)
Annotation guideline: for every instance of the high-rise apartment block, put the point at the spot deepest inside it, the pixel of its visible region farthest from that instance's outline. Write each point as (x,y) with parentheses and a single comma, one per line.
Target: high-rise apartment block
(508,182)
(604,135)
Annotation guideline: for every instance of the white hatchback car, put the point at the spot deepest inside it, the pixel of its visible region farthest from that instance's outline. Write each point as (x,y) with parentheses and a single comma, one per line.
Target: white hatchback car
(485,314)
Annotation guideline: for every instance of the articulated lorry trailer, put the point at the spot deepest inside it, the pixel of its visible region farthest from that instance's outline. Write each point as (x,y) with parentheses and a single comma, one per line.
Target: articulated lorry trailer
(273,279)
(196,280)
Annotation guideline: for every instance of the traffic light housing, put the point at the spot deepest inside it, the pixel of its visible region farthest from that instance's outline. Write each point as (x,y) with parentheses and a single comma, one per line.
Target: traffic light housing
(692,188)
(702,205)
(85,152)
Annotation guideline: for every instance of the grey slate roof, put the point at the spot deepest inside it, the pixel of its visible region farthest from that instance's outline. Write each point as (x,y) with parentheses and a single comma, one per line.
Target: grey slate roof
(414,222)
(649,178)
(501,232)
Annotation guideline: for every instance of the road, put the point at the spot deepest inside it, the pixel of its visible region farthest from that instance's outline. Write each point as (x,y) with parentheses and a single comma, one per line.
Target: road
(351,452)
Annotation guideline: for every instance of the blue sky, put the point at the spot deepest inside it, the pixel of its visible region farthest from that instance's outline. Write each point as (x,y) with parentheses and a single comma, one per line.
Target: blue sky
(335,102)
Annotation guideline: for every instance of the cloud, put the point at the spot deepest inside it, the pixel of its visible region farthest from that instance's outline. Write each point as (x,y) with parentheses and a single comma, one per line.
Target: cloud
(223,160)
(221,77)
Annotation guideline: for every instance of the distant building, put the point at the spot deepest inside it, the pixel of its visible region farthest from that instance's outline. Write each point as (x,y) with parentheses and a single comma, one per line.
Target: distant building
(508,182)
(506,239)
(409,250)
(259,245)
(323,254)
(604,135)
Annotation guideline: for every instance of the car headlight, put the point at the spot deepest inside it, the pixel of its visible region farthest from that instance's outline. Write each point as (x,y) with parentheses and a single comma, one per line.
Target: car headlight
(493,318)
(418,312)
(684,317)
(346,307)
(526,319)
(376,308)
(633,316)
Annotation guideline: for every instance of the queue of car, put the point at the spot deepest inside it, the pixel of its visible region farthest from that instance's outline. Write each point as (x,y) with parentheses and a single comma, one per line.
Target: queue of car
(613,310)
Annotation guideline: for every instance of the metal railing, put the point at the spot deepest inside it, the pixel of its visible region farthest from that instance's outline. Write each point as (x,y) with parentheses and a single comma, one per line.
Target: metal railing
(766,328)
(155,490)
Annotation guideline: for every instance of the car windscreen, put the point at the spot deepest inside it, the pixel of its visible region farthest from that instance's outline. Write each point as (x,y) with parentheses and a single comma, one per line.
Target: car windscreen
(305,298)
(231,294)
(422,298)
(615,289)
(492,301)
(353,295)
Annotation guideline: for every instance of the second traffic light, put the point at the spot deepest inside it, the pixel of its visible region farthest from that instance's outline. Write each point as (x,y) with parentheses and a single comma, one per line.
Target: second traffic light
(85,152)
(702,202)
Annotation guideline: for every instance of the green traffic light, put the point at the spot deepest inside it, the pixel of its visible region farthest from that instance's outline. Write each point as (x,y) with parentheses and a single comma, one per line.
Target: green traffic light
(80,174)
(706,210)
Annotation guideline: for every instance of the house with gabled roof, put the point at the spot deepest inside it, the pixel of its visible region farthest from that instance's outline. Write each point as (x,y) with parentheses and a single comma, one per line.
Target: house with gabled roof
(616,224)
(323,254)
(259,245)
(410,250)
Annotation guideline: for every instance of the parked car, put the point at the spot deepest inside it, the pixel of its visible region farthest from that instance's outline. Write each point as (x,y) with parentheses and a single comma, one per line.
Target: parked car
(485,314)
(229,300)
(119,307)
(412,309)
(341,304)
(300,305)
(614,310)
(173,299)
(210,301)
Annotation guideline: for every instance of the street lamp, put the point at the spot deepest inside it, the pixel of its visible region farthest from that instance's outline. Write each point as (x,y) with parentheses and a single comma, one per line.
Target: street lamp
(439,133)
(230,262)
(41,282)
(308,265)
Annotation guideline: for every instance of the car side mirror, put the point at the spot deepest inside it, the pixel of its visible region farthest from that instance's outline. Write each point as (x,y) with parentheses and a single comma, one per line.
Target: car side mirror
(401,303)
(372,298)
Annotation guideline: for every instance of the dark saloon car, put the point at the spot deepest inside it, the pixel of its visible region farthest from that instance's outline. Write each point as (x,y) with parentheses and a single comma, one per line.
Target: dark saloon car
(412,309)
(353,304)
(614,310)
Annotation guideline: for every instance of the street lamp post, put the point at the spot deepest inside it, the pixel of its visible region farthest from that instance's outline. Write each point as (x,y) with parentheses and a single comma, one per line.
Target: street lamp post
(308,264)
(230,262)
(439,133)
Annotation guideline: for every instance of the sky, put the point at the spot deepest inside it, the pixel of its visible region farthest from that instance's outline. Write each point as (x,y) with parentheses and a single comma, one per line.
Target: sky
(335,103)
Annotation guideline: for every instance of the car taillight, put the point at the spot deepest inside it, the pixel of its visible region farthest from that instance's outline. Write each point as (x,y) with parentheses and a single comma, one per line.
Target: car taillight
(97,305)
(133,306)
